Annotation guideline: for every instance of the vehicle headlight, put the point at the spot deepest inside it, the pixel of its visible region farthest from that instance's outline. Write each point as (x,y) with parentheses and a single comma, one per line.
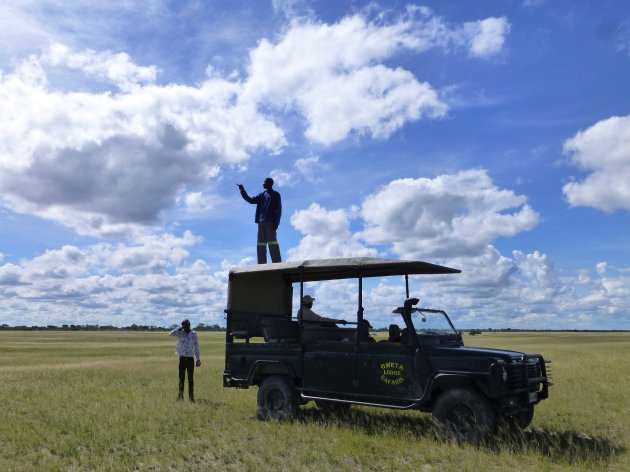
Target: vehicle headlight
(500,372)
(504,374)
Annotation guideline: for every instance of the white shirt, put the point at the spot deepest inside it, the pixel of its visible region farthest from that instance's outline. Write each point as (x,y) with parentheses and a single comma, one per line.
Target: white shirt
(187,343)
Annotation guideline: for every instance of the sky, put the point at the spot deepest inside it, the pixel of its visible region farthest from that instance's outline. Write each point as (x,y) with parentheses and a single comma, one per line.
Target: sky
(489,136)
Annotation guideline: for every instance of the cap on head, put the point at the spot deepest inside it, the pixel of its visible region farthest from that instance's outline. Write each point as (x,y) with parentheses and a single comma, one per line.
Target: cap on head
(306,299)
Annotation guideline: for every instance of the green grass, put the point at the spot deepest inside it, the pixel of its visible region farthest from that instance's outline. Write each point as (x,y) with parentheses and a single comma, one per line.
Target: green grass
(106,401)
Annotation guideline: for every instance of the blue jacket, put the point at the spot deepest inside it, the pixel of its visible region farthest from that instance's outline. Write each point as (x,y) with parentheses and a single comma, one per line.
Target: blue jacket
(268,206)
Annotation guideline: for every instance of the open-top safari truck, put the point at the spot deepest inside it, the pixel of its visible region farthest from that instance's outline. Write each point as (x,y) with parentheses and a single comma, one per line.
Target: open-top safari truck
(423,364)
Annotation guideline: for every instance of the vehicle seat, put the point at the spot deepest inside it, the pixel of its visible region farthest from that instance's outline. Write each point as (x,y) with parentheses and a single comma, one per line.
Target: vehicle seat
(280,331)
(240,330)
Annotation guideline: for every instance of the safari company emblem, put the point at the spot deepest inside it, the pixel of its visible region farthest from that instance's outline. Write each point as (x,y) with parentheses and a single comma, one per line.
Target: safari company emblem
(393,373)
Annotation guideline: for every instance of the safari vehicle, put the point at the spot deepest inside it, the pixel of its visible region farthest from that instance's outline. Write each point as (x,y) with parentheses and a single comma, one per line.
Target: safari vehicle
(422,365)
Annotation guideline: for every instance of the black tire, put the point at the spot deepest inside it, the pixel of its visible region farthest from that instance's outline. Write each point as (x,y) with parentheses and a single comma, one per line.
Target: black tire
(277,399)
(464,414)
(523,418)
(333,408)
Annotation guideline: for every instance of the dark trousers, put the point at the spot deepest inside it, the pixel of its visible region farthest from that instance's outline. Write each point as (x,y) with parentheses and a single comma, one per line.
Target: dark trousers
(267,237)
(186,364)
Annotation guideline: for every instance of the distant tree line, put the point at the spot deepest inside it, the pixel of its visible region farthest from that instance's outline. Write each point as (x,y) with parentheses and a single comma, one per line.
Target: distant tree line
(91,327)
(216,327)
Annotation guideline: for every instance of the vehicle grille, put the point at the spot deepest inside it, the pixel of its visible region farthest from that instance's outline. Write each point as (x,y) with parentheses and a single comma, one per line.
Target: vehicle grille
(526,375)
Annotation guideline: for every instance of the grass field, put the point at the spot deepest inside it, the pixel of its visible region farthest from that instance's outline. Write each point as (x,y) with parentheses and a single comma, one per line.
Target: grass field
(106,401)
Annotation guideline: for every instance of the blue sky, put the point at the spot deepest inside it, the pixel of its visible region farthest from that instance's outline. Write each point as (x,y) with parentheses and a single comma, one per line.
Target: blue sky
(491,136)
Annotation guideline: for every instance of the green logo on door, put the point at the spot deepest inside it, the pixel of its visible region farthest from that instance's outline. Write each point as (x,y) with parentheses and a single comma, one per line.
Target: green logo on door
(392,373)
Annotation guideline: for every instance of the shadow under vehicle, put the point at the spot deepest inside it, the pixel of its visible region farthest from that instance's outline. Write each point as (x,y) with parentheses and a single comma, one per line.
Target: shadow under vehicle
(423,365)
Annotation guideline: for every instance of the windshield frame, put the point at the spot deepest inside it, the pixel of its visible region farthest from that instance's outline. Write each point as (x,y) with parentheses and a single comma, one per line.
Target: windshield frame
(416,312)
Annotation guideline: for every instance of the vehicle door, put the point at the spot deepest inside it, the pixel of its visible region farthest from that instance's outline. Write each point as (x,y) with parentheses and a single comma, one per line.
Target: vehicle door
(330,366)
(386,369)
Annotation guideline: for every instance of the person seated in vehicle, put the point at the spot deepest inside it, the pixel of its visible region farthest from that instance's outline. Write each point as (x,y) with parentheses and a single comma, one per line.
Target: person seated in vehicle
(308,315)
(394,333)
(364,332)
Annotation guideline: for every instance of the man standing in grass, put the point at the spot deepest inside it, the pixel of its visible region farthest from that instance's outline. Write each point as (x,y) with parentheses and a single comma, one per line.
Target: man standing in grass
(187,347)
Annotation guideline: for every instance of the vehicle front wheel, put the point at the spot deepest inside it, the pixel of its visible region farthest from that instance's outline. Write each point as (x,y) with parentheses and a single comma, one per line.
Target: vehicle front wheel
(523,418)
(277,399)
(464,414)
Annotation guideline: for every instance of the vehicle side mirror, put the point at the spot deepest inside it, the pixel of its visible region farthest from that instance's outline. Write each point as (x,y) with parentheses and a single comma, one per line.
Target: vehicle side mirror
(411,302)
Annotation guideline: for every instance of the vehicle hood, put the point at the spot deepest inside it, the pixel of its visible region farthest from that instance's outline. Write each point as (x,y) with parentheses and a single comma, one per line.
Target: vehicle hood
(468,358)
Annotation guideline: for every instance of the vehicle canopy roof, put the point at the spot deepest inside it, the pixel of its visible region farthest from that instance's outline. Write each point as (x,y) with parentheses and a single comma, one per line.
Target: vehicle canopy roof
(267,287)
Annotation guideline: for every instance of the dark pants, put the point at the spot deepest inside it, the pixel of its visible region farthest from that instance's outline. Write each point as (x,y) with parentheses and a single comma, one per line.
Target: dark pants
(186,364)
(267,236)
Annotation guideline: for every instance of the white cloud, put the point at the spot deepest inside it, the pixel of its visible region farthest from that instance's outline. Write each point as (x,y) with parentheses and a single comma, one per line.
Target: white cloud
(332,75)
(110,163)
(149,281)
(116,68)
(493,291)
(151,254)
(305,170)
(487,36)
(309,67)
(448,216)
(195,201)
(292,8)
(90,139)
(454,220)
(604,151)
(326,234)
(527,291)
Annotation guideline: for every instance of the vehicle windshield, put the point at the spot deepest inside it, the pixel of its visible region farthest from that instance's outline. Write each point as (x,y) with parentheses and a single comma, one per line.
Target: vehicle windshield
(431,322)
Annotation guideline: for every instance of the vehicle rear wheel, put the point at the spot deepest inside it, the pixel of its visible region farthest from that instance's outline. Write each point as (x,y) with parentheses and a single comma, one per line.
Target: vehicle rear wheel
(277,398)
(333,408)
(464,414)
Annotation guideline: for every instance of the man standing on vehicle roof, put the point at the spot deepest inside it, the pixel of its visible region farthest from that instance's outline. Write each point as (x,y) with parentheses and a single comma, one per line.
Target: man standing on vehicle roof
(187,347)
(268,213)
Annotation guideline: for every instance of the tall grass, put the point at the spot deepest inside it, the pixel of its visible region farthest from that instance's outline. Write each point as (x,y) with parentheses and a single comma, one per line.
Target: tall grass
(106,401)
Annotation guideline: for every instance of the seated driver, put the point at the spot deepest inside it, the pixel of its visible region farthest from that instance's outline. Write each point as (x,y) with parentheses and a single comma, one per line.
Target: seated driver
(309,315)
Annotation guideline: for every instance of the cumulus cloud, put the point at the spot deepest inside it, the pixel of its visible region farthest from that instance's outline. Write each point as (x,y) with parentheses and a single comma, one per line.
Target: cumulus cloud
(493,291)
(448,216)
(603,150)
(149,281)
(454,220)
(326,234)
(305,169)
(313,62)
(309,66)
(125,284)
(106,163)
(108,151)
